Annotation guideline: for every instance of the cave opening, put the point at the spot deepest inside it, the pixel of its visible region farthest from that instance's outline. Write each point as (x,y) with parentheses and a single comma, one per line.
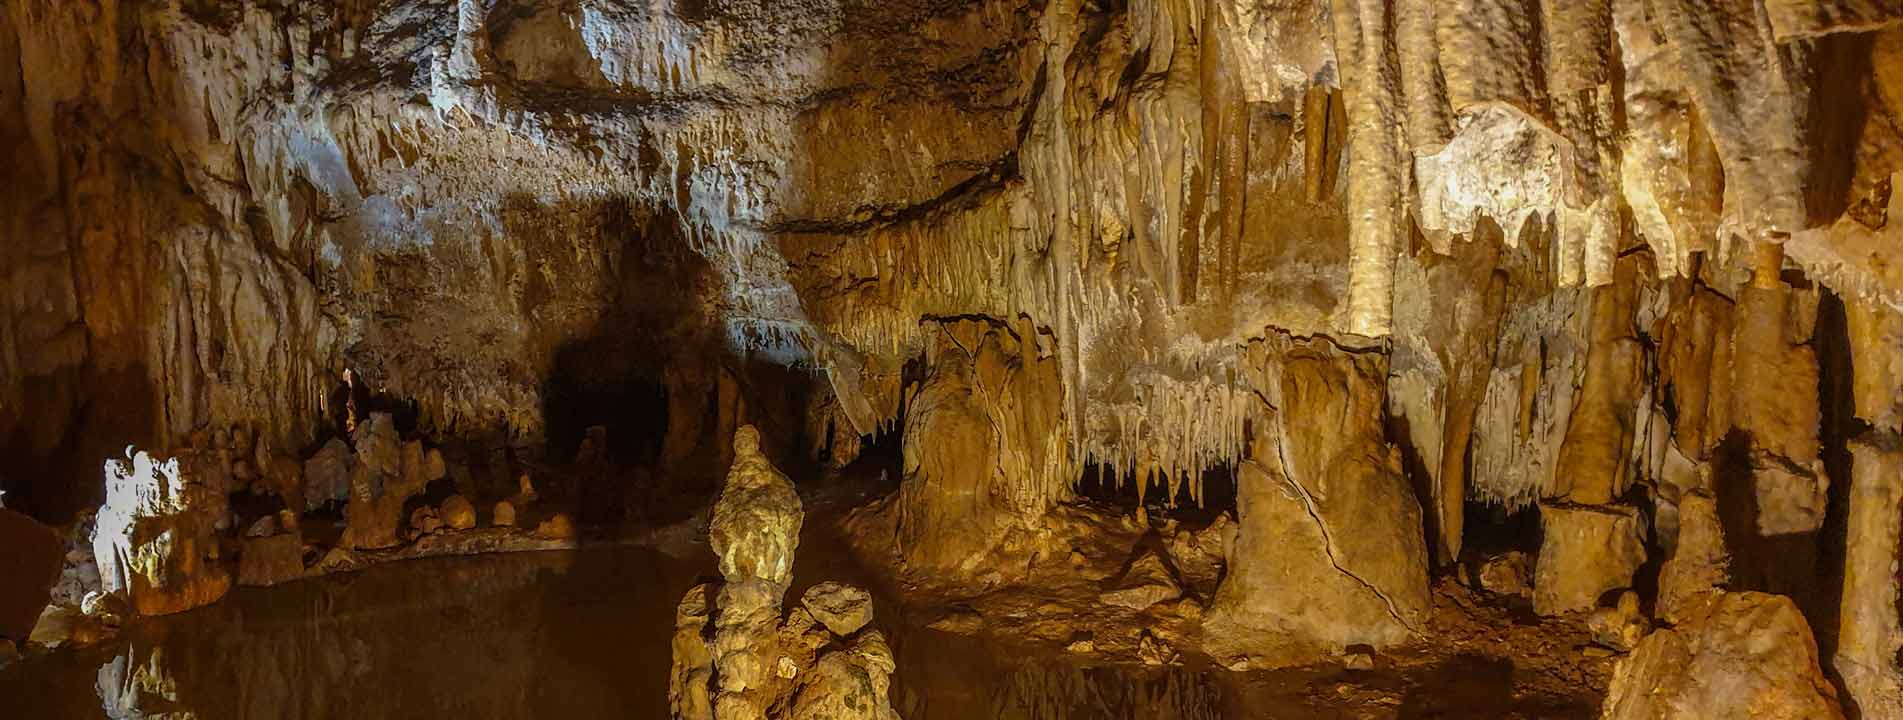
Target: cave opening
(1491,529)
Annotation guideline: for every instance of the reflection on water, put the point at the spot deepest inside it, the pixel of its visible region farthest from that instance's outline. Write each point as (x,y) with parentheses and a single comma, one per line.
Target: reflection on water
(531,635)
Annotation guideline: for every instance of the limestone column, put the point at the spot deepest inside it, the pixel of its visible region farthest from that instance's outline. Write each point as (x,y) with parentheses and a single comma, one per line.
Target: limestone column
(1869,630)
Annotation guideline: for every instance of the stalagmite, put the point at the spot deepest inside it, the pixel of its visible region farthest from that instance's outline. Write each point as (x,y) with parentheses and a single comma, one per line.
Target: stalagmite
(735,655)
(1776,365)
(1308,575)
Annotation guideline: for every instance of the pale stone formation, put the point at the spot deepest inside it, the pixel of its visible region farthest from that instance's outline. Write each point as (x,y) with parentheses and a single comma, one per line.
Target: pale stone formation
(1775,369)
(1741,655)
(1697,563)
(503,515)
(1870,635)
(850,683)
(756,522)
(1329,551)
(155,536)
(736,657)
(327,475)
(690,681)
(1870,631)
(988,396)
(1586,551)
(842,608)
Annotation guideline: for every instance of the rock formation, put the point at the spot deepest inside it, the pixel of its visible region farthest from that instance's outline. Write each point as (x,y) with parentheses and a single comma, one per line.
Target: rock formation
(155,538)
(735,654)
(1392,266)
(1743,655)
(384,475)
(1311,572)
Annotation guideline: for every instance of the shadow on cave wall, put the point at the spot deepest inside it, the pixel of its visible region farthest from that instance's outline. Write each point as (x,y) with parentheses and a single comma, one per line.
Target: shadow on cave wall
(656,373)
(50,466)
(1807,567)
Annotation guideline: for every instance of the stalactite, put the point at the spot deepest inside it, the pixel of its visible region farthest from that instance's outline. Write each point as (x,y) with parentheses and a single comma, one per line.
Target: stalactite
(1363,46)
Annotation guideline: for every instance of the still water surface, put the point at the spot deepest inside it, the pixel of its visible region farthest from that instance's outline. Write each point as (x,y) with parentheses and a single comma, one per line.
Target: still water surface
(527,635)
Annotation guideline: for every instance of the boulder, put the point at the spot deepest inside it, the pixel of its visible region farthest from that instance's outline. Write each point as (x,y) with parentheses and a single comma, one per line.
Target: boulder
(504,515)
(849,684)
(1740,655)
(1147,583)
(1621,626)
(264,561)
(327,475)
(424,521)
(1199,554)
(262,527)
(1586,551)
(31,558)
(556,527)
(1507,574)
(842,608)
(457,513)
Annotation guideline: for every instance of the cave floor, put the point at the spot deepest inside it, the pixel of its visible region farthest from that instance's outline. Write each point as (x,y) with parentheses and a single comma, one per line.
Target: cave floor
(585,633)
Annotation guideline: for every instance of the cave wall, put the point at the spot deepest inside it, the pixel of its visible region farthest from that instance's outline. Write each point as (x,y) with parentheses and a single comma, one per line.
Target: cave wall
(1588,241)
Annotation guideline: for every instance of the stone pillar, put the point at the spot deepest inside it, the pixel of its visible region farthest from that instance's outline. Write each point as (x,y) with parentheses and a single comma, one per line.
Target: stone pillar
(1870,633)
(754,660)
(755,531)
(1592,544)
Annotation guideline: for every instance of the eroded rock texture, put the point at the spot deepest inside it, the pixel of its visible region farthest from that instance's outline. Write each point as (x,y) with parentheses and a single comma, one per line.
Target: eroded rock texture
(155,540)
(1743,655)
(1386,260)
(1311,570)
(736,655)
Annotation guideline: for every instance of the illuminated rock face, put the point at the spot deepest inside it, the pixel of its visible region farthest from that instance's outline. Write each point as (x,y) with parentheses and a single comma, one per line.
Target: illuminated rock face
(1744,655)
(155,538)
